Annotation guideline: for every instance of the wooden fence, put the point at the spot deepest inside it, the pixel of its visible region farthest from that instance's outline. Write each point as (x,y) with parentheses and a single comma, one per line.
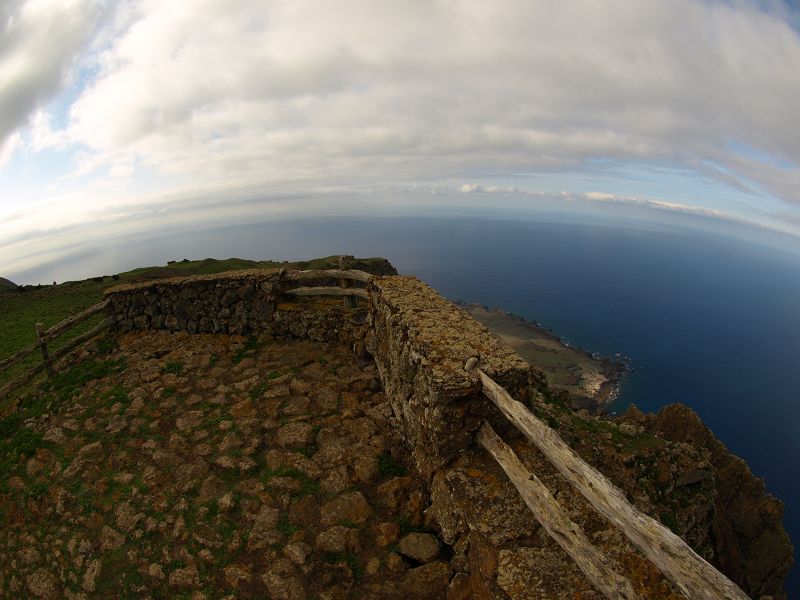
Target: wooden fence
(344,277)
(695,577)
(49,358)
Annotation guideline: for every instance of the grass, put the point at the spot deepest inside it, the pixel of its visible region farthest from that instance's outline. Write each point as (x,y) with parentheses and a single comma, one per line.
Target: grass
(348,558)
(286,527)
(389,467)
(175,368)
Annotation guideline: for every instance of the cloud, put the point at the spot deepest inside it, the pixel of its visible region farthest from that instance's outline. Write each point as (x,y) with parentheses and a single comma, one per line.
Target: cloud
(39,40)
(251,92)
(297,94)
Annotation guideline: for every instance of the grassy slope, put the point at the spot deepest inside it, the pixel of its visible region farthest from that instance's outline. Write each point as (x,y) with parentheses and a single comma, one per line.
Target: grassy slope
(21,309)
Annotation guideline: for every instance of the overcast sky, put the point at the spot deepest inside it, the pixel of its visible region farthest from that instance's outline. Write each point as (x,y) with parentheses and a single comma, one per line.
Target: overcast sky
(110,109)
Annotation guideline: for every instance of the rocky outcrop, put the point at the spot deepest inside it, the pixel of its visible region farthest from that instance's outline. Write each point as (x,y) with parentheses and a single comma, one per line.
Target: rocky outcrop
(749,542)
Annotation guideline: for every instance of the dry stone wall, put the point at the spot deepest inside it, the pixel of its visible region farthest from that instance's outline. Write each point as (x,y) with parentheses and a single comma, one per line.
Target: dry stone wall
(238,302)
(419,341)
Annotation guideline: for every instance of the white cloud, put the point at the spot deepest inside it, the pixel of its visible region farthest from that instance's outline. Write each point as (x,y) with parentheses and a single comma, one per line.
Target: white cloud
(8,147)
(293,94)
(250,92)
(39,39)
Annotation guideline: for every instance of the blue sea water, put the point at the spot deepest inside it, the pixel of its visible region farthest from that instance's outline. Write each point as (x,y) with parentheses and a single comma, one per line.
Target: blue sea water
(706,319)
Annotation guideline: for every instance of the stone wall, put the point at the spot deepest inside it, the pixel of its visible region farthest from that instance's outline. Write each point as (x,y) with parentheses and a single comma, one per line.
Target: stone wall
(419,341)
(247,302)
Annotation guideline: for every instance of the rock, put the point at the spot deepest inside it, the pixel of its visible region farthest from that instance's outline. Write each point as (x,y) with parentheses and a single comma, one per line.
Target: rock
(297,552)
(226,502)
(282,581)
(54,435)
(335,481)
(387,533)
(189,420)
(373,566)
(392,492)
(127,518)
(86,455)
(212,487)
(338,539)
(352,507)
(294,434)
(366,468)
(326,399)
(263,532)
(299,387)
(110,539)
(226,462)
(237,576)
(43,584)
(187,577)
(395,563)
(427,581)
(243,410)
(422,547)
(91,574)
(156,571)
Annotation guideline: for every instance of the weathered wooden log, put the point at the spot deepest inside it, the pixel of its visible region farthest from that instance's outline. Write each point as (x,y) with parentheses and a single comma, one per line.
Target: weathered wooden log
(683,566)
(595,565)
(327,291)
(48,365)
(84,337)
(10,361)
(352,274)
(347,301)
(23,379)
(74,320)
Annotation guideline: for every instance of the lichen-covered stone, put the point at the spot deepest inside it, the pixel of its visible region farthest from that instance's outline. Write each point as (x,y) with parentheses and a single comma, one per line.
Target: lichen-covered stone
(420,343)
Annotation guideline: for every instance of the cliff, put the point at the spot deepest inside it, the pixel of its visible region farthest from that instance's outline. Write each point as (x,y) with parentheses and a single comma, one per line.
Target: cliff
(745,532)
(270,434)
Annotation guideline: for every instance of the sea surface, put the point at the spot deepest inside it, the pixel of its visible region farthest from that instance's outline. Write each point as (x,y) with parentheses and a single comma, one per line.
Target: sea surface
(705,319)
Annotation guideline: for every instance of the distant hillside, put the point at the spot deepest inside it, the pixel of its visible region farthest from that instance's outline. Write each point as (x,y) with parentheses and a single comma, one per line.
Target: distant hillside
(5,284)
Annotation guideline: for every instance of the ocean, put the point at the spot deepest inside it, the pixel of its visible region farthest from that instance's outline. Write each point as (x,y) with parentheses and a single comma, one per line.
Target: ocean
(706,319)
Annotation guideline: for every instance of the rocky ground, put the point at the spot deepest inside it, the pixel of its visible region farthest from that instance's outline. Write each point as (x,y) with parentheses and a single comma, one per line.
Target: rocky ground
(221,468)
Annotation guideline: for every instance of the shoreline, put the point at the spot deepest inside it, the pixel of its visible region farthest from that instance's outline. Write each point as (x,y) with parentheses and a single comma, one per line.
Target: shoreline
(590,380)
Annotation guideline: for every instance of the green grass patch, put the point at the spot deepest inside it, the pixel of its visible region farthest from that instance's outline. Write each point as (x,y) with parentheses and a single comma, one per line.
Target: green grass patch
(348,558)
(66,384)
(406,526)
(17,443)
(389,467)
(250,346)
(285,526)
(175,368)
(116,394)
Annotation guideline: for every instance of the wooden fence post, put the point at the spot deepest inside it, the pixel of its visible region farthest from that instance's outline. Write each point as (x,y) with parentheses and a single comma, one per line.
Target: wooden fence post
(349,301)
(45,354)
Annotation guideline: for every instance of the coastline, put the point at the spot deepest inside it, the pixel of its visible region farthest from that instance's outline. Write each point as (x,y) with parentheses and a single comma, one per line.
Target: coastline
(589,380)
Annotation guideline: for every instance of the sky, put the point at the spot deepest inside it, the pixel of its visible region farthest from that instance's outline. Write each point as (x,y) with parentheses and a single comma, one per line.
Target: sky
(125,116)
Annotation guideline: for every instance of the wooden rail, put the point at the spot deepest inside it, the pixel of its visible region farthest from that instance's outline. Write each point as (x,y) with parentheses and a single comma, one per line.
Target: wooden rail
(48,358)
(694,576)
(597,568)
(352,274)
(327,291)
